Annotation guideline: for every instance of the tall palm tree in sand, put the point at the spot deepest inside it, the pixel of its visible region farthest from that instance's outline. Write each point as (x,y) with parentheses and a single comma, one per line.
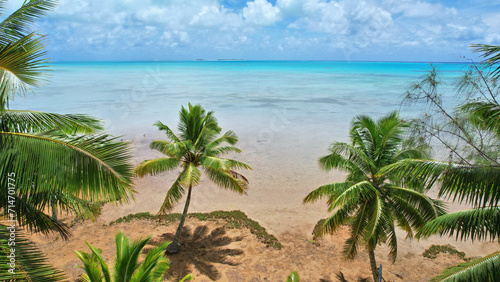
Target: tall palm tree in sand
(197,146)
(369,202)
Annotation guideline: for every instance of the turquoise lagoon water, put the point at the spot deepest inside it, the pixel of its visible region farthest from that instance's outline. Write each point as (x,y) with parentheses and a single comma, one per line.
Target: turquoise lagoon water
(246,95)
(286,114)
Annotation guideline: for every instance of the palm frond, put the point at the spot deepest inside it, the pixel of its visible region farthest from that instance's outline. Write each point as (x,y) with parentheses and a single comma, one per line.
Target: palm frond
(23,65)
(491,53)
(154,266)
(425,205)
(174,150)
(361,192)
(30,263)
(229,137)
(347,158)
(328,190)
(174,194)
(476,185)
(473,224)
(36,122)
(168,131)
(358,227)
(483,269)
(484,114)
(96,168)
(191,176)
(21,21)
(156,166)
(227,180)
(219,151)
(293,277)
(127,255)
(91,266)
(30,216)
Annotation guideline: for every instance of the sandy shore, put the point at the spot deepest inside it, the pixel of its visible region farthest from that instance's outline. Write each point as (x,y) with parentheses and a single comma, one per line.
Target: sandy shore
(278,183)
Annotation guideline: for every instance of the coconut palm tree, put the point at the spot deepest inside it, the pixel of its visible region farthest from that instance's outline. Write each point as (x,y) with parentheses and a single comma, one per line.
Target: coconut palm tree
(197,146)
(370,202)
(126,268)
(52,161)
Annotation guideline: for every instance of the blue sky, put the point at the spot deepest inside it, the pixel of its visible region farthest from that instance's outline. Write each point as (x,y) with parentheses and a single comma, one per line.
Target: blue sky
(382,30)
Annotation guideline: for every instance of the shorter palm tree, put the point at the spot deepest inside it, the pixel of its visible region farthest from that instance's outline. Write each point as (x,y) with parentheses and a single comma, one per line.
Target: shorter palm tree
(127,268)
(197,146)
(371,202)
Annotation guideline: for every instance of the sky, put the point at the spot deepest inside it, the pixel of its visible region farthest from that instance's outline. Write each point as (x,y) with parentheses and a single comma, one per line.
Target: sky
(350,30)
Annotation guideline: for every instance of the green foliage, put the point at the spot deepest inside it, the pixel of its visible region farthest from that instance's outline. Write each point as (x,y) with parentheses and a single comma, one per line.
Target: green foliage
(294,277)
(126,267)
(371,200)
(56,162)
(472,175)
(198,146)
(483,269)
(491,53)
(434,250)
(30,263)
(317,228)
(232,219)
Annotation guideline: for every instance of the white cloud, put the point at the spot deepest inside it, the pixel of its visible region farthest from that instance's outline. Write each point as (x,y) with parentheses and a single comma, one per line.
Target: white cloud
(261,12)
(198,26)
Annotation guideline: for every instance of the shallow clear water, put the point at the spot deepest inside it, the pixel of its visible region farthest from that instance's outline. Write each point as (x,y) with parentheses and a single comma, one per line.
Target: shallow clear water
(246,95)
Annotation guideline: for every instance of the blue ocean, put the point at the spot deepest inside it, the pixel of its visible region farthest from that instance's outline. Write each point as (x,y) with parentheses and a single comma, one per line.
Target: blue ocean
(246,96)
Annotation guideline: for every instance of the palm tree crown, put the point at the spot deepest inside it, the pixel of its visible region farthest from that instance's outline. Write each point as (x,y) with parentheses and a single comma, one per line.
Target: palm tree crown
(369,201)
(199,145)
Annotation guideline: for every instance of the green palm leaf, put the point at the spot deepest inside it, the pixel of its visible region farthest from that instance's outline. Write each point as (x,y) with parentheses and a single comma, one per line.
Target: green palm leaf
(156,166)
(30,263)
(491,53)
(369,200)
(22,65)
(476,185)
(483,269)
(36,122)
(293,277)
(473,224)
(328,190)
(20,22)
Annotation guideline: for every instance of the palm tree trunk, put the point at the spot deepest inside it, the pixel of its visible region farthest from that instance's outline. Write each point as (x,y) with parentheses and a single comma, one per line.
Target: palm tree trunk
(173,248)
(373,264)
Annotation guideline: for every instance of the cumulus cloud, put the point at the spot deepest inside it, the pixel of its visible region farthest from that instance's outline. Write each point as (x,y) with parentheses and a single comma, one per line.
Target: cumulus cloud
(220,27)
(261,12)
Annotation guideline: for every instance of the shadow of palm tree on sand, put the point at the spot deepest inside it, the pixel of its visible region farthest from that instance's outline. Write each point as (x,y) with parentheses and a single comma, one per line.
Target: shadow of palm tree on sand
(199,248)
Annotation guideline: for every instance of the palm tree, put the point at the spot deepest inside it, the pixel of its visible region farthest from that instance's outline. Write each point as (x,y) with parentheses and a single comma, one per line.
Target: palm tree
(370,202)
(127,268)
(48,161)
(52,161)
(475,181)
(197,146)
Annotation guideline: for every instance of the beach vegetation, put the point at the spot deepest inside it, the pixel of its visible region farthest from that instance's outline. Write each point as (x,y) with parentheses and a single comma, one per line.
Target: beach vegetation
(126,265)
(56,162)
(470,133)
(49,163)
(372,203)
(232,220)
(199,145)
(434,250)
